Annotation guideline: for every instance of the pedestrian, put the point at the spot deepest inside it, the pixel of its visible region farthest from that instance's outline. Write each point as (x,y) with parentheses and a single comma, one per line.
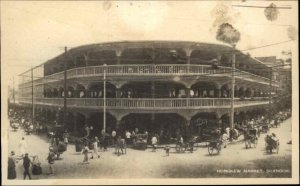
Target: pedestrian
(95,150)
(224,139)
(36,166)
(113,136)
(128,136)
(26,165)
(51,159)
(154,143)
(23,147)
(167,149)
(11,173)
(85,152)
(66,137)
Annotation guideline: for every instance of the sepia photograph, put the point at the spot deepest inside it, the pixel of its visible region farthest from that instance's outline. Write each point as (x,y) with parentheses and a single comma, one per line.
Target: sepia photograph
(149,92)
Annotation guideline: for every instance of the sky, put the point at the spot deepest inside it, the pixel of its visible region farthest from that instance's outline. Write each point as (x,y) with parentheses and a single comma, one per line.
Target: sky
(33,32)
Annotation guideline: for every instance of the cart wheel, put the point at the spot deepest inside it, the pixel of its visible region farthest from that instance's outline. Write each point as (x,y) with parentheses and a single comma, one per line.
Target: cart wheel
(210,150)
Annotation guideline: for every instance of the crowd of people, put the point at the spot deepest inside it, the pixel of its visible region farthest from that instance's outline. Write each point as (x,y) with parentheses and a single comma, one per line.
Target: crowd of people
(118,139)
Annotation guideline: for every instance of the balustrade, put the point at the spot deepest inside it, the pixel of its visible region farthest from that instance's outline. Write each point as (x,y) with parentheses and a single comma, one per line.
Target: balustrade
(144,70)
(140,103)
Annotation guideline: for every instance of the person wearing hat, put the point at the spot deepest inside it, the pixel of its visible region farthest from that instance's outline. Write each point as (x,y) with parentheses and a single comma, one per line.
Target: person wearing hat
(26,165)
(95,150)
(51,158)
(11,173)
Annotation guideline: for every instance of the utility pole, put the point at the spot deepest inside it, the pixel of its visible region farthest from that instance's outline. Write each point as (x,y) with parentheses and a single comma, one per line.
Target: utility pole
(232,89)
(32,101)
(104,98)
(65,87)
(270,95)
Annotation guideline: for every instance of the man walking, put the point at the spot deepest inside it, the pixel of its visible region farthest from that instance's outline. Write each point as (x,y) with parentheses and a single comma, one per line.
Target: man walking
(95,150)
(26,165)
(51,158)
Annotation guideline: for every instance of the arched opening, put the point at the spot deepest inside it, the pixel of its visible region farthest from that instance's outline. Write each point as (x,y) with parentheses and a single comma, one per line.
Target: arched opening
(241,92)
(55,93)
(205,90)
(70,122)
(60,92)
(80,91)
(95,90)
(80,122)
(96,120)
(203,123)
(248,93)
(166,126)
(155,89)
(225,92)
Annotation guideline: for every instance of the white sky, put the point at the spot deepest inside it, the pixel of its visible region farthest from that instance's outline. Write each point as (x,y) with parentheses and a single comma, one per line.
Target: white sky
(33,32)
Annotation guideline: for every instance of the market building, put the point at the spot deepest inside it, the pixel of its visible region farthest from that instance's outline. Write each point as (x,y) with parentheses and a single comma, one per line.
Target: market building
(156,86)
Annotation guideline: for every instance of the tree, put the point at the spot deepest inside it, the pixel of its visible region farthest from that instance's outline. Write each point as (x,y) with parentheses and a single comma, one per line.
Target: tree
(228,34)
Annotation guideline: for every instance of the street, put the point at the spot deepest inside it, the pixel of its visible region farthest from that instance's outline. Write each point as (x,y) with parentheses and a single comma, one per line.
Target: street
(233,161)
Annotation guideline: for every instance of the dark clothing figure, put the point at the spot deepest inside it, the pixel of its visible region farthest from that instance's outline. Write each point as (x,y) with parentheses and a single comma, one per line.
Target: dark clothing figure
(26,165)
(167,149)
(11,169)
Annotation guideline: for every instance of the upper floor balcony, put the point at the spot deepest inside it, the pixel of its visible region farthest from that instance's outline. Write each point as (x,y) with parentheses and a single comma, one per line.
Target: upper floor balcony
(152,70)
(147,104)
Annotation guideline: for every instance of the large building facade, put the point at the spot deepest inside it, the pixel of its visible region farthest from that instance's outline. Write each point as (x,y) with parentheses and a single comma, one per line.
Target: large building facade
(157,86)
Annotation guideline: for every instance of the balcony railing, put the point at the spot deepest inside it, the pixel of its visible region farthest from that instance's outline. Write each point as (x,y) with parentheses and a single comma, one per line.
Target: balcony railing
(142,103)
(150,70)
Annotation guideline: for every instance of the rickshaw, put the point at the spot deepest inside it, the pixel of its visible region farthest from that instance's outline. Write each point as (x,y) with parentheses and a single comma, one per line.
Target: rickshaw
(272,143)
(215,146)
(140,141)
(264,128)
(80,143)
(14,125)
(189,146)
(251,138)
